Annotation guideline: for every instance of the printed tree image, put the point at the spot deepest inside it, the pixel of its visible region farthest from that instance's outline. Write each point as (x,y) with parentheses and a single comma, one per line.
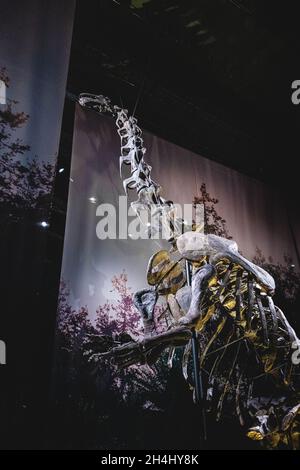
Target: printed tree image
(10,120)
(95,396)
(119,317)
(114,317)
(213,222)
(25,183)
(78,336)
(287,279)
(73,325)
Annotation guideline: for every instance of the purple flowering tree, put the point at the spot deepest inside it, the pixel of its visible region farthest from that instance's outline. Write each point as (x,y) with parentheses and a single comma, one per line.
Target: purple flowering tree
(25,183)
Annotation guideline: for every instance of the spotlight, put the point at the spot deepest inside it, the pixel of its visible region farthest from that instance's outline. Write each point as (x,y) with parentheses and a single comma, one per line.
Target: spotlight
(93,200)
(61,170)
(44,224)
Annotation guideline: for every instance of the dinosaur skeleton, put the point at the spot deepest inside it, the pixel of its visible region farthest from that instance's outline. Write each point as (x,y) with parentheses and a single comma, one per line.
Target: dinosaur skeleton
(246,342)
(132,154)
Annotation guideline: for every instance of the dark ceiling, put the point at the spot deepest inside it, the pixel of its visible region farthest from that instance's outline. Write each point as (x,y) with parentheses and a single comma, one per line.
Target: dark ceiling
(213,76)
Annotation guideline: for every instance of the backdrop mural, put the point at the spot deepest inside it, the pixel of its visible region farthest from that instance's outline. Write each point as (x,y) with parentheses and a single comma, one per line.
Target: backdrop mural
(99,278)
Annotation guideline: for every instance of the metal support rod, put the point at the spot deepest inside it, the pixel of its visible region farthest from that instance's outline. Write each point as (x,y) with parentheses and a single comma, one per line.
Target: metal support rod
(197,373)
(199,394)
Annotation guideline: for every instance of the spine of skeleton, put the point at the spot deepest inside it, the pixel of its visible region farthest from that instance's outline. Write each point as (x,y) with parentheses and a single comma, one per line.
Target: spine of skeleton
(132,154)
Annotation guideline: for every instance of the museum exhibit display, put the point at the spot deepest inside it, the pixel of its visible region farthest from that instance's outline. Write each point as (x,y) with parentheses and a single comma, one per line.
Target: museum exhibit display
(208,285)
(150,229)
